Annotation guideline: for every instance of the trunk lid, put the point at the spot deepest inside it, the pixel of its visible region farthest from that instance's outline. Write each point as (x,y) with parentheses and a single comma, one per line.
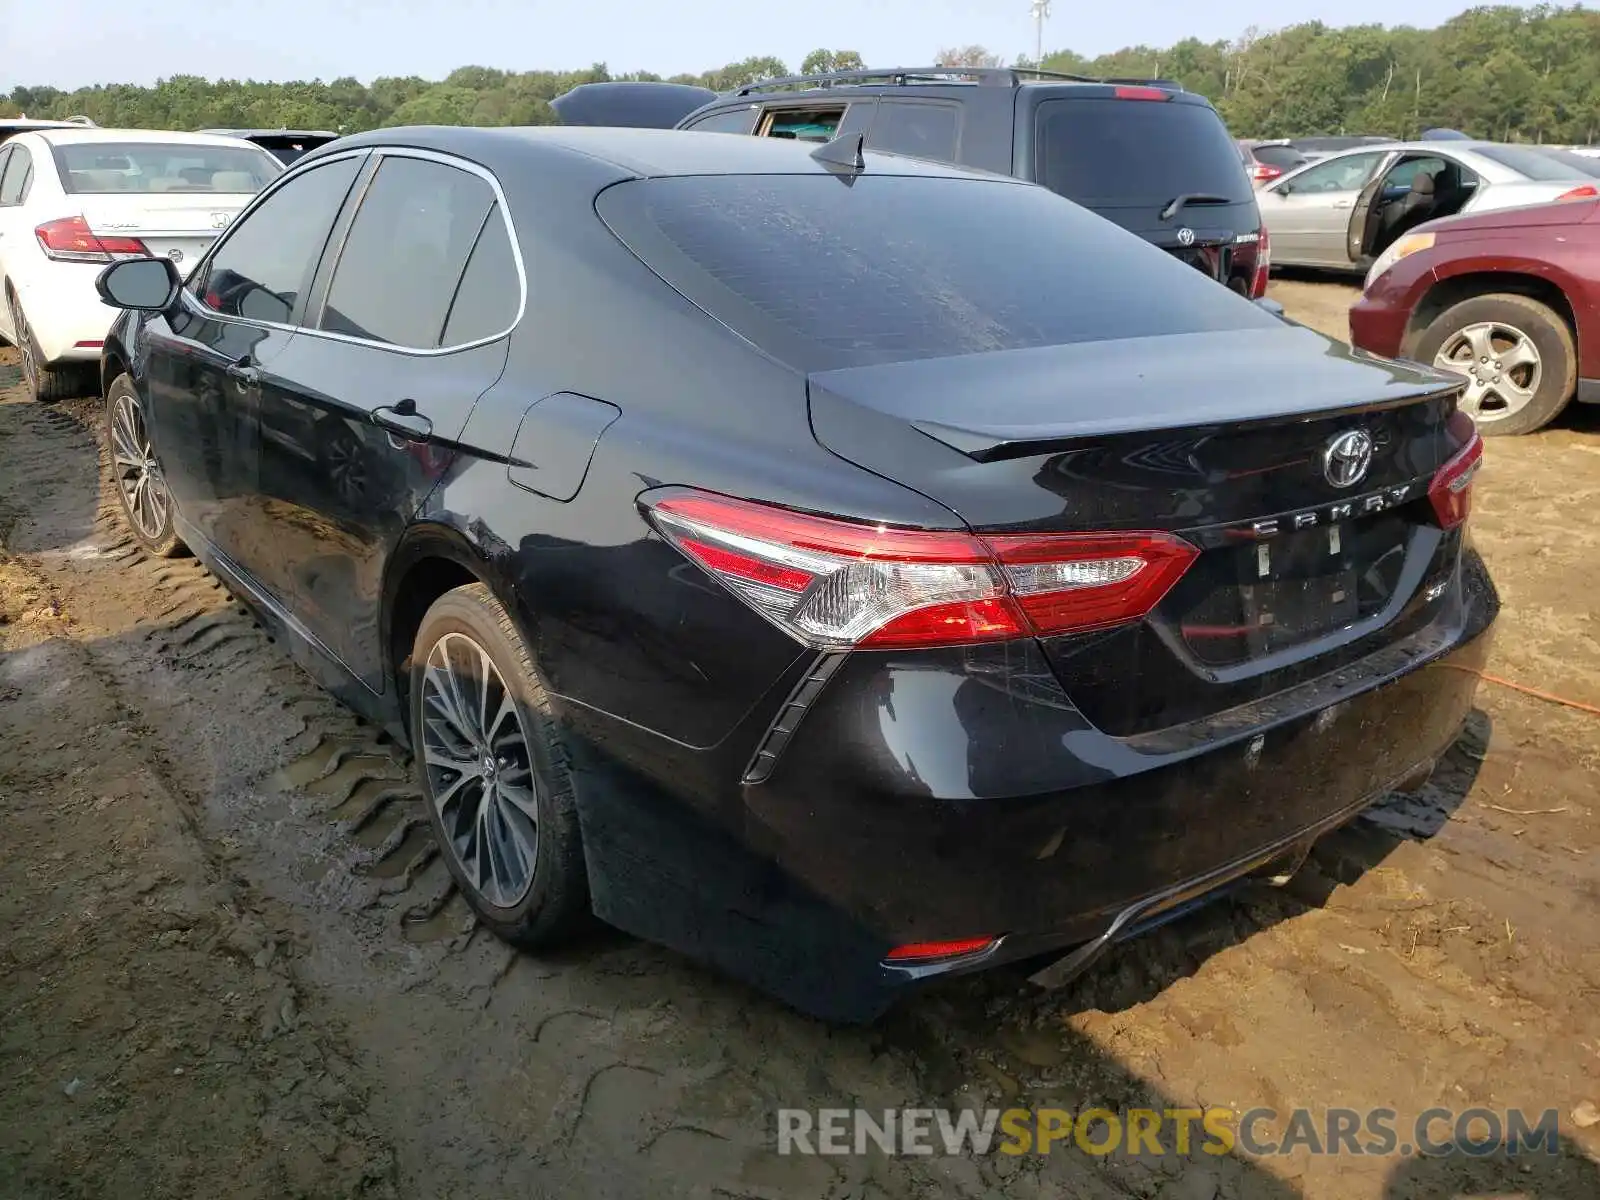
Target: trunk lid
(1226,439)
(180,226)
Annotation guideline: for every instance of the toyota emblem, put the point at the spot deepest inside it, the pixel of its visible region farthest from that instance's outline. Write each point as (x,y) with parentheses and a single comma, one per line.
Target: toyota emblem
(1346,458)
(1185,236)
(175,255)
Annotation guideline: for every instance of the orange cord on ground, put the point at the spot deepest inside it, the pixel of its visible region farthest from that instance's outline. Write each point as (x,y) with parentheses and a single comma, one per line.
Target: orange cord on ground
(1591,709)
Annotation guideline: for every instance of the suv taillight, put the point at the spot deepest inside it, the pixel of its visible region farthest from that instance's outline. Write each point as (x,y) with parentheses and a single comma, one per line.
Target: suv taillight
(70,239)
(840,584)
(1450,492)
(1258,283)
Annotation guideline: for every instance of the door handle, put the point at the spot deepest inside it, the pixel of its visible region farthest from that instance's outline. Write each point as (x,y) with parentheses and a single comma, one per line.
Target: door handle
(244,371)
(403,419)
(1344,203)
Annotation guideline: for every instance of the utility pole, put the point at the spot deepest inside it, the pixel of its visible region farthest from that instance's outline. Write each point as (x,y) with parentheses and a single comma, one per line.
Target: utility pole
(1041,13)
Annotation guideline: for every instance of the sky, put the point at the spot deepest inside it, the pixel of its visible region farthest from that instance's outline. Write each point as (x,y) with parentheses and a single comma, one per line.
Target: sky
(73,43)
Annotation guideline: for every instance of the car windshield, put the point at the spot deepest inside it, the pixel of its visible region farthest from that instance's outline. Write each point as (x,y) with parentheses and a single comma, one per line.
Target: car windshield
(1111,153)
(1532,162)
(822,273)
(146,167)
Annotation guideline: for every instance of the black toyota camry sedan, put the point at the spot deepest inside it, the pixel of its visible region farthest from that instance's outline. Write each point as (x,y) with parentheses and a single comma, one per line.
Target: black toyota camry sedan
(845,569)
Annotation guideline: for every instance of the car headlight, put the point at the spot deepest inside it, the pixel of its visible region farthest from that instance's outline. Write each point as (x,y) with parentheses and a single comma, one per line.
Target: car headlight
(1410,244)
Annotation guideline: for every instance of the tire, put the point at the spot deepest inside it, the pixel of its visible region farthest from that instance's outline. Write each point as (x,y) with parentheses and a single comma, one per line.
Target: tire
(45,384)
(1507,398)
(147,507)
(530,761)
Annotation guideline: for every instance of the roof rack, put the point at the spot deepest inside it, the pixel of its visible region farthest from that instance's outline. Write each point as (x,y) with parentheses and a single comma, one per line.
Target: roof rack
(903,76)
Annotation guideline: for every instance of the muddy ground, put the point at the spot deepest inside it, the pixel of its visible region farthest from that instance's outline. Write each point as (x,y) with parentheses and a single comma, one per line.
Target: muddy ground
(231,965)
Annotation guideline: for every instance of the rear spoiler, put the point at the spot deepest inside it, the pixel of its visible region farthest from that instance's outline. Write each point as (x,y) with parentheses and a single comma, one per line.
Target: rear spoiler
(631,105)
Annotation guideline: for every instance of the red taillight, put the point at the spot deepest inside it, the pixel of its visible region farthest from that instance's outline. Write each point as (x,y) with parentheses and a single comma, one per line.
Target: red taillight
(1125,92)
(925,951)
(1584,191)
(71,240)
(1264,172)
(1451,489)
(843,584)
(1258,284)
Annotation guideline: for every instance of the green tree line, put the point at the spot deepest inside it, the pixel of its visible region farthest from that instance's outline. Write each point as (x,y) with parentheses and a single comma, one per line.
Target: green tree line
(1523,74)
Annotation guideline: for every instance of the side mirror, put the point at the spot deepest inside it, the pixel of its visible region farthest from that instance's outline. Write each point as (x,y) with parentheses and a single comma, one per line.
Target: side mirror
(144,284)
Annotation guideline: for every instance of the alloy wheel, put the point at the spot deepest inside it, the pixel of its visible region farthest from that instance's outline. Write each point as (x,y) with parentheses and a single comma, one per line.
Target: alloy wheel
(1502,366)
(134,467)
(479,769)
(24,339)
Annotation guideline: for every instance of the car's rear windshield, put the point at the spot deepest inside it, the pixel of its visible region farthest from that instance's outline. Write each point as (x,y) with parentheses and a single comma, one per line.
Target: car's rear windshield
(1110,153)
(824,272)
(146,167)
(1532,162)
(1578,162)
(1285,157)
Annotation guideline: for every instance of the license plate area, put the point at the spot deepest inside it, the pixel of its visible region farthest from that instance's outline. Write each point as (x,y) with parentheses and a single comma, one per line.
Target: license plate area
(1250,601)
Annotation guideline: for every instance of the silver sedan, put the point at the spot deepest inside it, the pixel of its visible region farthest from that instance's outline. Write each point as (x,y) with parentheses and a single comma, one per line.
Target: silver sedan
(1342,211)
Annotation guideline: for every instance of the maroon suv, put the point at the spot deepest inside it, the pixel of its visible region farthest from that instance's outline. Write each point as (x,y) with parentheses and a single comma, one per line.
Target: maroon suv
(1510,299)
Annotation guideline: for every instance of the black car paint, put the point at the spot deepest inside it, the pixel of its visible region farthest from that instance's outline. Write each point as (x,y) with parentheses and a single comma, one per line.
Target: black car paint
(930,794)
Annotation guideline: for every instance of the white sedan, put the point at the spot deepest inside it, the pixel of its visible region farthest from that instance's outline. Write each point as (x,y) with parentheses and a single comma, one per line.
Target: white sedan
(74,199)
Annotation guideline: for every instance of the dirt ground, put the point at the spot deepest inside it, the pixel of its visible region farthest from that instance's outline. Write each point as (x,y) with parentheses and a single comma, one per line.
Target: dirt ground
(231,964)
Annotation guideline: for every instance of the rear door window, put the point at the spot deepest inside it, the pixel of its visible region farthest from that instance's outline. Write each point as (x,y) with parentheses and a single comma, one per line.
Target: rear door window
(405,252)
(918,128)
(893,268)
(15,169)
(811,124)
(1109,153)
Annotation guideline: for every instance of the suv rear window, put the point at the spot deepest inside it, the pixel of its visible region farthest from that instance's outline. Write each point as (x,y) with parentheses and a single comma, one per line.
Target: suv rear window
(1109,153)
(823,274)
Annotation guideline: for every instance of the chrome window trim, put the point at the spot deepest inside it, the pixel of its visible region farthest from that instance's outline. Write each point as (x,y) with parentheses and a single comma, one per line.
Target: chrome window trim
(381,152)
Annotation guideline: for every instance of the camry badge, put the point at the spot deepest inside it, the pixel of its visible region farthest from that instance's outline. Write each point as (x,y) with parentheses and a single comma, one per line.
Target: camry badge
(1185,236)
(1346,458)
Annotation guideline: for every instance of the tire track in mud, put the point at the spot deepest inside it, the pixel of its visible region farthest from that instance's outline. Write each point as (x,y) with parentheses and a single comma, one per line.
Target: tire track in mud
(190,624)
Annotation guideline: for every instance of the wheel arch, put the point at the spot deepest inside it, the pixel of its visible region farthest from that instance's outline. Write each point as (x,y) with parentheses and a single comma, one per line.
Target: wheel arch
(1453,289)
(431,559)
(114,361)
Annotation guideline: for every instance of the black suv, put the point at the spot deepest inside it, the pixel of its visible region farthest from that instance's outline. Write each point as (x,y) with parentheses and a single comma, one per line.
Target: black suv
(1145,153)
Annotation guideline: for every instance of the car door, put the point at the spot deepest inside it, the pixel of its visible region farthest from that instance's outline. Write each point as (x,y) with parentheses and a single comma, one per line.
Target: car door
(407,328)
(207,362)
(1307,213)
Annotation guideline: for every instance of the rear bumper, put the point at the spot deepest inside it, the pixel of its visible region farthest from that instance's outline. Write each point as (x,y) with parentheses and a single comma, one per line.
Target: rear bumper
(960,794)
(64,310)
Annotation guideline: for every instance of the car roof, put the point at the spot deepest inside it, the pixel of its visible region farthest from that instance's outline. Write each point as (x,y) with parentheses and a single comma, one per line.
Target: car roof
(77,135)
(265,132)
(647,153)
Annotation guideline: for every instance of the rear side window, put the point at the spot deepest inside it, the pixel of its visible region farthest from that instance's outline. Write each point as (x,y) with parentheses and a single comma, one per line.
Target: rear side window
(260,270)
(823,273)
(1110,153)
(923,130)
(732,120)
(405,253)
(486,303)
